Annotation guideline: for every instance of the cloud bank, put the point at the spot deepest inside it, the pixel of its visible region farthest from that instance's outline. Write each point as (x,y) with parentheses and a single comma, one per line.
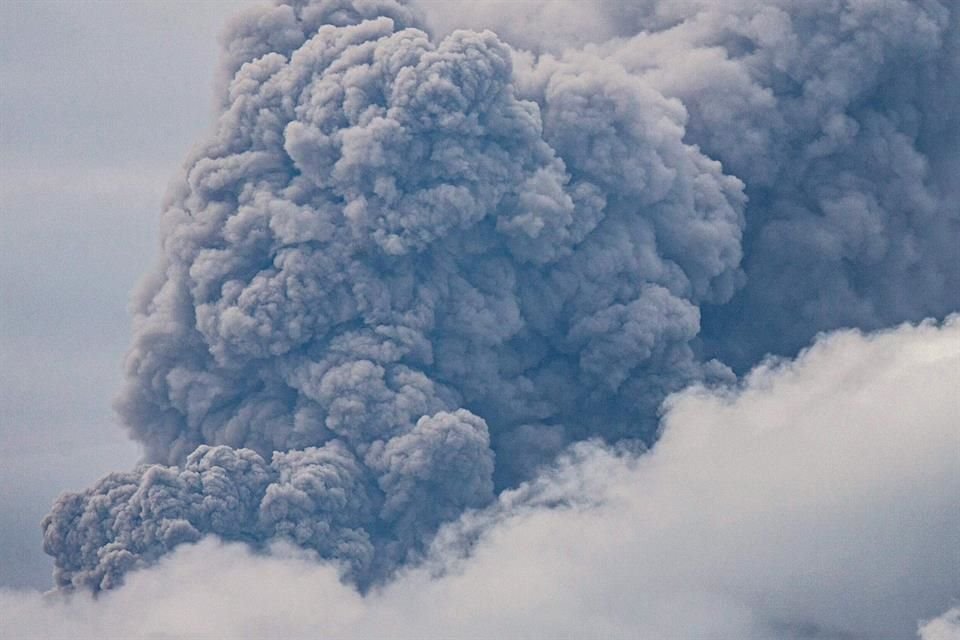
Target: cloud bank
(816,501)
(412,265)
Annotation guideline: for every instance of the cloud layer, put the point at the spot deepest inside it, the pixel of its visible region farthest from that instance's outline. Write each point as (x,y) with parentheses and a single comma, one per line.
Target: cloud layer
(817,501)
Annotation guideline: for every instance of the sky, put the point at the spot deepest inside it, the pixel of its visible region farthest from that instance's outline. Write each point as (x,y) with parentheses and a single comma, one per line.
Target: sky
(608,321)
(100,103)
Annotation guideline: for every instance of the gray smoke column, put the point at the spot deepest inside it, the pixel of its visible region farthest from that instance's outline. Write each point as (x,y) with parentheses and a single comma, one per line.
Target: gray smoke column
(843,120)
(408,269)
(386,270)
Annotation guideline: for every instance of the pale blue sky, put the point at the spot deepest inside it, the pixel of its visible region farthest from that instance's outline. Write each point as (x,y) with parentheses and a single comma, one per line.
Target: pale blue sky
(99,103)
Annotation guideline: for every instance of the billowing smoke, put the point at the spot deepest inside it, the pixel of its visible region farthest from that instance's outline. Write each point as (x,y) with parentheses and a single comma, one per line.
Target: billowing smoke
(407,270)
(846,129)
(842,120)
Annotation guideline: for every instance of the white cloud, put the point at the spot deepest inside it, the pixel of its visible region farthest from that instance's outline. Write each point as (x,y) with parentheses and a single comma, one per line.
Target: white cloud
(819,501)
(946,627)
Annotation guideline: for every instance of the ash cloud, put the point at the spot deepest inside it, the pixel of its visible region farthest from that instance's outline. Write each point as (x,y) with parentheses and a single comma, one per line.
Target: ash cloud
(412,264)
(841,118)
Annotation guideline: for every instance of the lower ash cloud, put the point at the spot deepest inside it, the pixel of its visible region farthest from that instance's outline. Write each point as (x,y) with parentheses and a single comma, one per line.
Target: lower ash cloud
(407,270)
(367,516)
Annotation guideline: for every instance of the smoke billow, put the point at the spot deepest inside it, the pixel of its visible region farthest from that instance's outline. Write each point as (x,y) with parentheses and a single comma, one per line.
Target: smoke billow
(407,269)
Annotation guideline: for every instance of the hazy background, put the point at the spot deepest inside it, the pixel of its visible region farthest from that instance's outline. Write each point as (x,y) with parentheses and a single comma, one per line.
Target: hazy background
(99,104)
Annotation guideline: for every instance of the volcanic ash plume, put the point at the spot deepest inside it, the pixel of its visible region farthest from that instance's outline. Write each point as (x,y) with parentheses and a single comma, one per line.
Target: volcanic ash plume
(407,270)
(842,119)
(387,265)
